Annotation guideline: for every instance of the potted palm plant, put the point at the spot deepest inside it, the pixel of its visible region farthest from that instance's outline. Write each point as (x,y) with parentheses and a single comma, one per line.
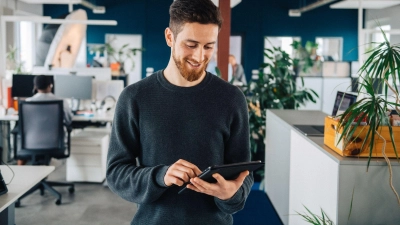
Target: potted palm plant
(382,68)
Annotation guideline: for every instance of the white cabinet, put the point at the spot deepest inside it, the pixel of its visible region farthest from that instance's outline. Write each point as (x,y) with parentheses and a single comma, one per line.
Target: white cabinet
(300,171)
(87,161)
(314,83)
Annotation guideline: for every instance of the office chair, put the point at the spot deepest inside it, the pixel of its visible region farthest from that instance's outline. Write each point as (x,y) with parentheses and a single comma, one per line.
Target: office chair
(41,133)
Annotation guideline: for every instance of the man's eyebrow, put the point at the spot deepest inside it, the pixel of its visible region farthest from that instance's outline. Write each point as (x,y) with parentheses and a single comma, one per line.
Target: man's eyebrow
(196,42)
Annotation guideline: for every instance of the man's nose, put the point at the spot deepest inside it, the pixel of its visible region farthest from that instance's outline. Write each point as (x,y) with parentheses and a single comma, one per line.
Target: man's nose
(198,55)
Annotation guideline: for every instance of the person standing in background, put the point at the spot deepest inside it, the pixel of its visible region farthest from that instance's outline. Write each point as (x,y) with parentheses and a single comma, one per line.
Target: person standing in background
(237,71)
(213,65)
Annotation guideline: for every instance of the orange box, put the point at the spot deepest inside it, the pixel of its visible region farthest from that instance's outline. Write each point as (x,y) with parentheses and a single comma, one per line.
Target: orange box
(331,137)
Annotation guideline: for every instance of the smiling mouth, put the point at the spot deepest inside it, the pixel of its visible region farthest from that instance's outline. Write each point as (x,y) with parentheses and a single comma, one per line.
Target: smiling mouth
(196,65)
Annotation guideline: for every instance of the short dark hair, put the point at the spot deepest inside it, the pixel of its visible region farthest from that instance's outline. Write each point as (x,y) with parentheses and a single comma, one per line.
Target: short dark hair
(41,82)
(193,11)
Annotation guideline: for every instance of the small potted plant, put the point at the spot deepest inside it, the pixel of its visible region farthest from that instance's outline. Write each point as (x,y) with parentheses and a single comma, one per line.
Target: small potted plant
(118,56)
(382,68)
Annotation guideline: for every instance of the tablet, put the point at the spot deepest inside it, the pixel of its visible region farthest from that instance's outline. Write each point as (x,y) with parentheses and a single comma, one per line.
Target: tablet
(228,171)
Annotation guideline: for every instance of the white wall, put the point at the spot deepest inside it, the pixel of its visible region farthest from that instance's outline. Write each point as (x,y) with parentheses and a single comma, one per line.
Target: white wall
(13,7)
(390,15)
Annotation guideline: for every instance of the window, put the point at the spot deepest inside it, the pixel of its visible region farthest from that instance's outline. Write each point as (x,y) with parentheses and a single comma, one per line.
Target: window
(26,44)
(330,48)
(285,43)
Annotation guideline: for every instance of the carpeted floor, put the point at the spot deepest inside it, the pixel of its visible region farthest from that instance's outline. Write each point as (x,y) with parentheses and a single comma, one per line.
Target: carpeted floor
(257,211)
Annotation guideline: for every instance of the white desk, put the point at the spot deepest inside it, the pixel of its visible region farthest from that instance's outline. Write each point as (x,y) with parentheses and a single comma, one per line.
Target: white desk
(104,117)
(6,119)
(25,178)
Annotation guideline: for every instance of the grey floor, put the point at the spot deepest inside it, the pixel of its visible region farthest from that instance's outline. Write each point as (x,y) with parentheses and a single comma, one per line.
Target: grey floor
(91,203)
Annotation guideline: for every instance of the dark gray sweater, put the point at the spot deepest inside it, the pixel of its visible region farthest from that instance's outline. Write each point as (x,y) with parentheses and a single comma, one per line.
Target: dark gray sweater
(160,123)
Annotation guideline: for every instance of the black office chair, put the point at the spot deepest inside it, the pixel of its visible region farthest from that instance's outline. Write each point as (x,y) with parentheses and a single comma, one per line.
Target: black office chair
(41,133)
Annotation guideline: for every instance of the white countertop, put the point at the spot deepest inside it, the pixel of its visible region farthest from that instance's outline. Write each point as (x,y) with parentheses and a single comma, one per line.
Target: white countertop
(309,117)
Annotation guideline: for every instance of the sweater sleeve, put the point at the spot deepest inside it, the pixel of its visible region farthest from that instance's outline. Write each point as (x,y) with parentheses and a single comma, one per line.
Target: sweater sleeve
(130,181)
(237,149)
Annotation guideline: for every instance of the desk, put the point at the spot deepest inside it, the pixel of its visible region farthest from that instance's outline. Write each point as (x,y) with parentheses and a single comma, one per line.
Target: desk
(25,178)
(104,117)
(6,119)
(302,171)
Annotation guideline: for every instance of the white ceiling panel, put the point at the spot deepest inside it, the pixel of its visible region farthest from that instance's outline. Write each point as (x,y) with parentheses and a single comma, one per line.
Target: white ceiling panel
(51,1)
(366,4)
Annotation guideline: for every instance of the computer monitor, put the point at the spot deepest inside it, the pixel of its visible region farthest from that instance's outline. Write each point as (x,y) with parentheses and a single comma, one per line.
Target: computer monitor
(107,88)
(70,86)
(22,85)
(342,102)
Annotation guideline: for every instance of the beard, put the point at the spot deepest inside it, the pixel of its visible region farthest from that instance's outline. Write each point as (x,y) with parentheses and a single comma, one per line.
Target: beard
(187,73)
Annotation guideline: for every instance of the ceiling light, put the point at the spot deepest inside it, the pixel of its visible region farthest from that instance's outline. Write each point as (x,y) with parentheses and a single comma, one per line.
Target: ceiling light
(298,12)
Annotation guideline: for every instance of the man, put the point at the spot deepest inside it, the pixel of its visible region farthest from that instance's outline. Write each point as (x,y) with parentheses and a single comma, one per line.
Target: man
(213,65)
(176,123)
(43,85)
(237,71)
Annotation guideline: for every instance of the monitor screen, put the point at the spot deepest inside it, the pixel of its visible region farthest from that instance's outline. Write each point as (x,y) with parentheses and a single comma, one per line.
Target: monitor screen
(342,102)
(107,88)
(22,85)
(70,86)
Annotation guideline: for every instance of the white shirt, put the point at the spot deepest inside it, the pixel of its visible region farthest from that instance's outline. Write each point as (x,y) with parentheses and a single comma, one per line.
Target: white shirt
(49,97)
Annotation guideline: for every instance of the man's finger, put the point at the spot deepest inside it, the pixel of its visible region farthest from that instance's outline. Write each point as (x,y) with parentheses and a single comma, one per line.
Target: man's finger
(199,183)
(192,187)
(242,176)
(189,171)
(181,175)
(219,178)
(187,164)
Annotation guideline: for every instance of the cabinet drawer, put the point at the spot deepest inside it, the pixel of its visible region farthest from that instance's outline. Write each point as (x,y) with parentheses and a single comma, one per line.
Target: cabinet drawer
(88,138)
(85,149)
(85,174)
(85,160)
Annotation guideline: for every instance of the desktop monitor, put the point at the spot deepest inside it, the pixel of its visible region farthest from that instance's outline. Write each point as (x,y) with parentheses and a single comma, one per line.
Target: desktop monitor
(108,88)
(22,85)
(342,102)
(70,86)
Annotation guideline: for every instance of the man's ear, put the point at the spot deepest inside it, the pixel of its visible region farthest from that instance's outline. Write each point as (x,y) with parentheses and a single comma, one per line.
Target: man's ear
(169,37)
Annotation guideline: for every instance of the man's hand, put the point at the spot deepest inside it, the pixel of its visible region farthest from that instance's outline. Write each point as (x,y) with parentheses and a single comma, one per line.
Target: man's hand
(223,189)
(180,173)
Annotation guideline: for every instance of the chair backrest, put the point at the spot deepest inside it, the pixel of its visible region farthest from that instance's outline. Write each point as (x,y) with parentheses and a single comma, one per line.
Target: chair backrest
(41,127)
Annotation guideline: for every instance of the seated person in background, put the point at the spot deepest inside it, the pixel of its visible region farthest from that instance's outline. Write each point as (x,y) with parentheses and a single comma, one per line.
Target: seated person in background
(237,71)
(43,85)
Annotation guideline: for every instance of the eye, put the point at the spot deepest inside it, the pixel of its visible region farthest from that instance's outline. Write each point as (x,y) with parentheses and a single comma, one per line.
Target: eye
(208,47)
(191,46)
